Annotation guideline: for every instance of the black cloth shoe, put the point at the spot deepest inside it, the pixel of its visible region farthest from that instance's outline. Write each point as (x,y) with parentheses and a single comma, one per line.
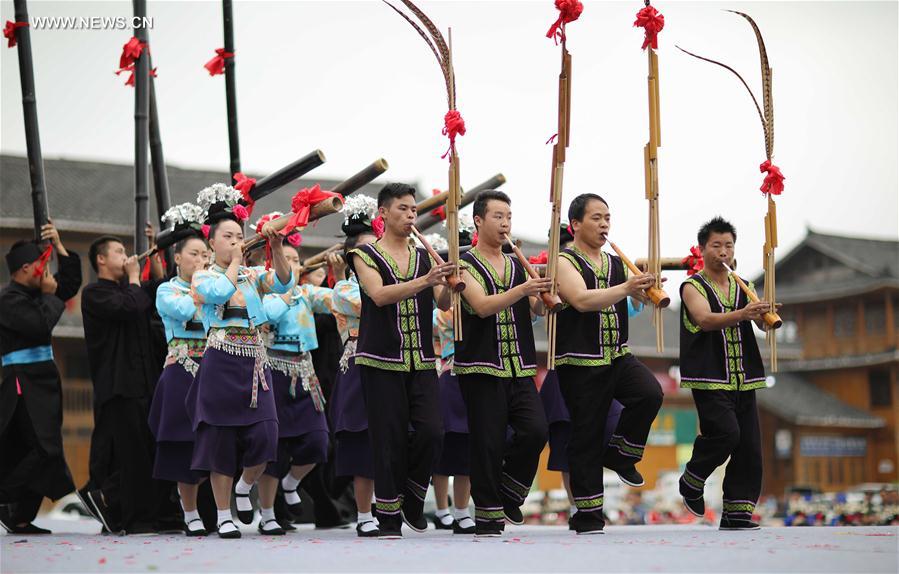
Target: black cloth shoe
(587,523)
(103,512)
(195,528)
(440,525)
(245,516)
(512,511)
(459,529)
(87,504)
(231,534)
(286,525)
(488,531)
(390,527)
(630,476)
(295,509)
(737,524)
(270,528)
(8,521)
(696,506)
(367,533)
(417,523)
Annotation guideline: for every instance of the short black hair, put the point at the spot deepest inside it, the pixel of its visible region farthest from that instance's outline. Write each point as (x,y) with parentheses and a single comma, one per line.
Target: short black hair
(480,202)
(393,191)
(179,247)
(579,205)
(715,225)
(100,246)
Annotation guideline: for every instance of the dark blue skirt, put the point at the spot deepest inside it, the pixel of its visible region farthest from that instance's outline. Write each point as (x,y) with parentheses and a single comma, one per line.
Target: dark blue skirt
(168,418)
(452,405)
(296,415)
(347,404)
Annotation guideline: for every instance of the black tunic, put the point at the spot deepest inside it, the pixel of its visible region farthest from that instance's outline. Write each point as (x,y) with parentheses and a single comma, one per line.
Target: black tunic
(26,321)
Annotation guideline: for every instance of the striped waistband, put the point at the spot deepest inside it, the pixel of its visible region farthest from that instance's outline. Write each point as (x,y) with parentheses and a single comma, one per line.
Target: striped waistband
(28,356)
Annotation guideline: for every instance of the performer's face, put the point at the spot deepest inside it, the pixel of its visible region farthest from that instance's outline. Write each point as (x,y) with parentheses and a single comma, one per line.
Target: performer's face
(114,259)
(191,258)
(595,226)
(399,215)
(228,234)
(717,250)
(293,259)
(496,223)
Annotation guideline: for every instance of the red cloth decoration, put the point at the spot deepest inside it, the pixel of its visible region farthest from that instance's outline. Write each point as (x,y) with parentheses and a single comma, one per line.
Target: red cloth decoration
(570,230)
(774,180)
(694,261)
(301,206)
(377,225)
(130,68)
(295,239)
(245,185)
(240,212)
(42,260)
(474,239)
(453,125)
(145,272)
(216,66)
(652,22)
(262,221)
(205,230)
(439,212)
(9,32)
(569,11)
(540,258)
(332,279)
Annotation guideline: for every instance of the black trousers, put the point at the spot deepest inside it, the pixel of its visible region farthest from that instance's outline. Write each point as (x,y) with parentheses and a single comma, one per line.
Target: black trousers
(588,393)
(502,470)
(402,461)
(121,465)
(728,428)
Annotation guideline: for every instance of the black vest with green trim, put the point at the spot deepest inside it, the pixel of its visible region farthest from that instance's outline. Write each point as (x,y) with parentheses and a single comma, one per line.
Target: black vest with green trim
(395,337)
(500,345)
(727,359)
(595,338)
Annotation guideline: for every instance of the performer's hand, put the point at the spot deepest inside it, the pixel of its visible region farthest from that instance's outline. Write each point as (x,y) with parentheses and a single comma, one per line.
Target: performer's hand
(151,235)
(337,264)
(533,287)
(755,311)
(236,249)
(132,269)
(49,233)
(270,233)
(48,282)
(636,284)
(438,274)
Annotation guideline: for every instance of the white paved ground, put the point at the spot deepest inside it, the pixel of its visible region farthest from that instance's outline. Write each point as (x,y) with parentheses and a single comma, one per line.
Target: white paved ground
(75,548)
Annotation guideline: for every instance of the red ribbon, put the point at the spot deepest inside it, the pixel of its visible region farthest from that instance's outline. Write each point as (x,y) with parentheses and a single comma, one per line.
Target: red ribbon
(539,259)
(570,230)
(377,225)
(130,68)
(439,212)
(145,272)
(694,261)
(569,11)
(245,185)
(453,125)
(474,239)
(42,260)
(9,32)
(216,66)
(652,22)
(301,206)
(205,230)
(774,180)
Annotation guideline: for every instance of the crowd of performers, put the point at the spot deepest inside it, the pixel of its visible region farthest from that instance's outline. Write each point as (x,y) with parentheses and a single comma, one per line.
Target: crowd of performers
(232,397)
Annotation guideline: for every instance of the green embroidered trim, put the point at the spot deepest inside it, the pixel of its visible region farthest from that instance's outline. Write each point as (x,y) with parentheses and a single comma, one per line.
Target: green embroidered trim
(624,447)
(388,506)
(754,386)
(705,385)
(603,273)
(698,286)
(729,300)
(571,259)
(738,507)
(689,479)
(365,257)
(510,484)
(580,362)
(507,268)
(489,514)
(589,504)
(413,255)
(383,365)
(688,324)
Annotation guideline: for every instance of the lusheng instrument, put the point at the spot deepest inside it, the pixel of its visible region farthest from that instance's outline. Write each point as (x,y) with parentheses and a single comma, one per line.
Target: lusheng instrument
(455,281)
(656,294)
(771,318)
(551,299)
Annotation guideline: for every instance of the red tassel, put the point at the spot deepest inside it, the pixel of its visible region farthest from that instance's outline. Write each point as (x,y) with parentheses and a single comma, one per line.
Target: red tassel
(130,81)
(569,11)
(131,51)
(9,32)
(216,66)
(332,279)
(145,272)
(245,185)
(694,261)
(453,125)
(301,206)
(42,260)
(652,23)
(474,239)
(774,180)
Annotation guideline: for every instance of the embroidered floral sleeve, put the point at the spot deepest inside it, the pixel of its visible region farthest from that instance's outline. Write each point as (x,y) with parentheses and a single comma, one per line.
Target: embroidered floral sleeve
(319,298)
(274,306)
(213,288)
(268,281)
(346,299)
(175,303)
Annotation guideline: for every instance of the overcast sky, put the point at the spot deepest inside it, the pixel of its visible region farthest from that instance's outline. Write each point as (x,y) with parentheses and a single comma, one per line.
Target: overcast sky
(355,80)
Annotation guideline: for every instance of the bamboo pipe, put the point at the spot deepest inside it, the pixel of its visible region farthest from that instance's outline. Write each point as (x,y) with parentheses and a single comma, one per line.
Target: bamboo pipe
(771,318)
(658,297)
(321,256)
(455,282)
(553,303)
(319,210)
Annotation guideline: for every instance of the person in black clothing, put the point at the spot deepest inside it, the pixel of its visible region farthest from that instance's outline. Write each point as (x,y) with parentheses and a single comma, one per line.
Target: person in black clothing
(496,361)
(32,462)
(117,312)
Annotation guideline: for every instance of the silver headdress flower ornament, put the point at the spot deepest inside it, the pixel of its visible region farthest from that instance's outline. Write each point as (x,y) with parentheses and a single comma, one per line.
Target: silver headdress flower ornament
(186,221)
(359,213)
(435,240)
(221,201)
